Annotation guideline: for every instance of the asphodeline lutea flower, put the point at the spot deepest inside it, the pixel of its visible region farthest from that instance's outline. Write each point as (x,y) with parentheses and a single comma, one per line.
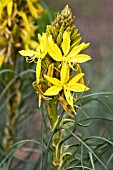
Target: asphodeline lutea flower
(65,84)
(39,54)
(66,53)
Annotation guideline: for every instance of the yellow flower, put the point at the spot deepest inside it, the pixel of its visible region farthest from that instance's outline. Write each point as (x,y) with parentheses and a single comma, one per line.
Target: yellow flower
(65,84)
(70,55)
(39,54)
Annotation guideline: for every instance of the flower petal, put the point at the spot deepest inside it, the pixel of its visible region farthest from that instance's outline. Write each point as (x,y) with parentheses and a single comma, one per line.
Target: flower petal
(54,51)
(27,52)
(52,91)
(75,79)
(54,81)
(75,50)
(38,70)
(78,87)
(64,74)
(66,43)
(80,58)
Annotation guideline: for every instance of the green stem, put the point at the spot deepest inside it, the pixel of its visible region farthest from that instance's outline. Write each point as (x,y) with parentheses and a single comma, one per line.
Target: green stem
(53,117)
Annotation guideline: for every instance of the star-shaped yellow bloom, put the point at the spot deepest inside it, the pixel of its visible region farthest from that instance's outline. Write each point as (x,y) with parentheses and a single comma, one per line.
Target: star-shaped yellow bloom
(64,83)
(66,53)
(39,54)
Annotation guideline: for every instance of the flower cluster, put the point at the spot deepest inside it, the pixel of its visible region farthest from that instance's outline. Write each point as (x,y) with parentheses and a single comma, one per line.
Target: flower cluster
(58,57)
(17,27)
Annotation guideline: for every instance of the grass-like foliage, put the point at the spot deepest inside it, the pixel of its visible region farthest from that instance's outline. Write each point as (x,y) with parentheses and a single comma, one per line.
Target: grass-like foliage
(73,133)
